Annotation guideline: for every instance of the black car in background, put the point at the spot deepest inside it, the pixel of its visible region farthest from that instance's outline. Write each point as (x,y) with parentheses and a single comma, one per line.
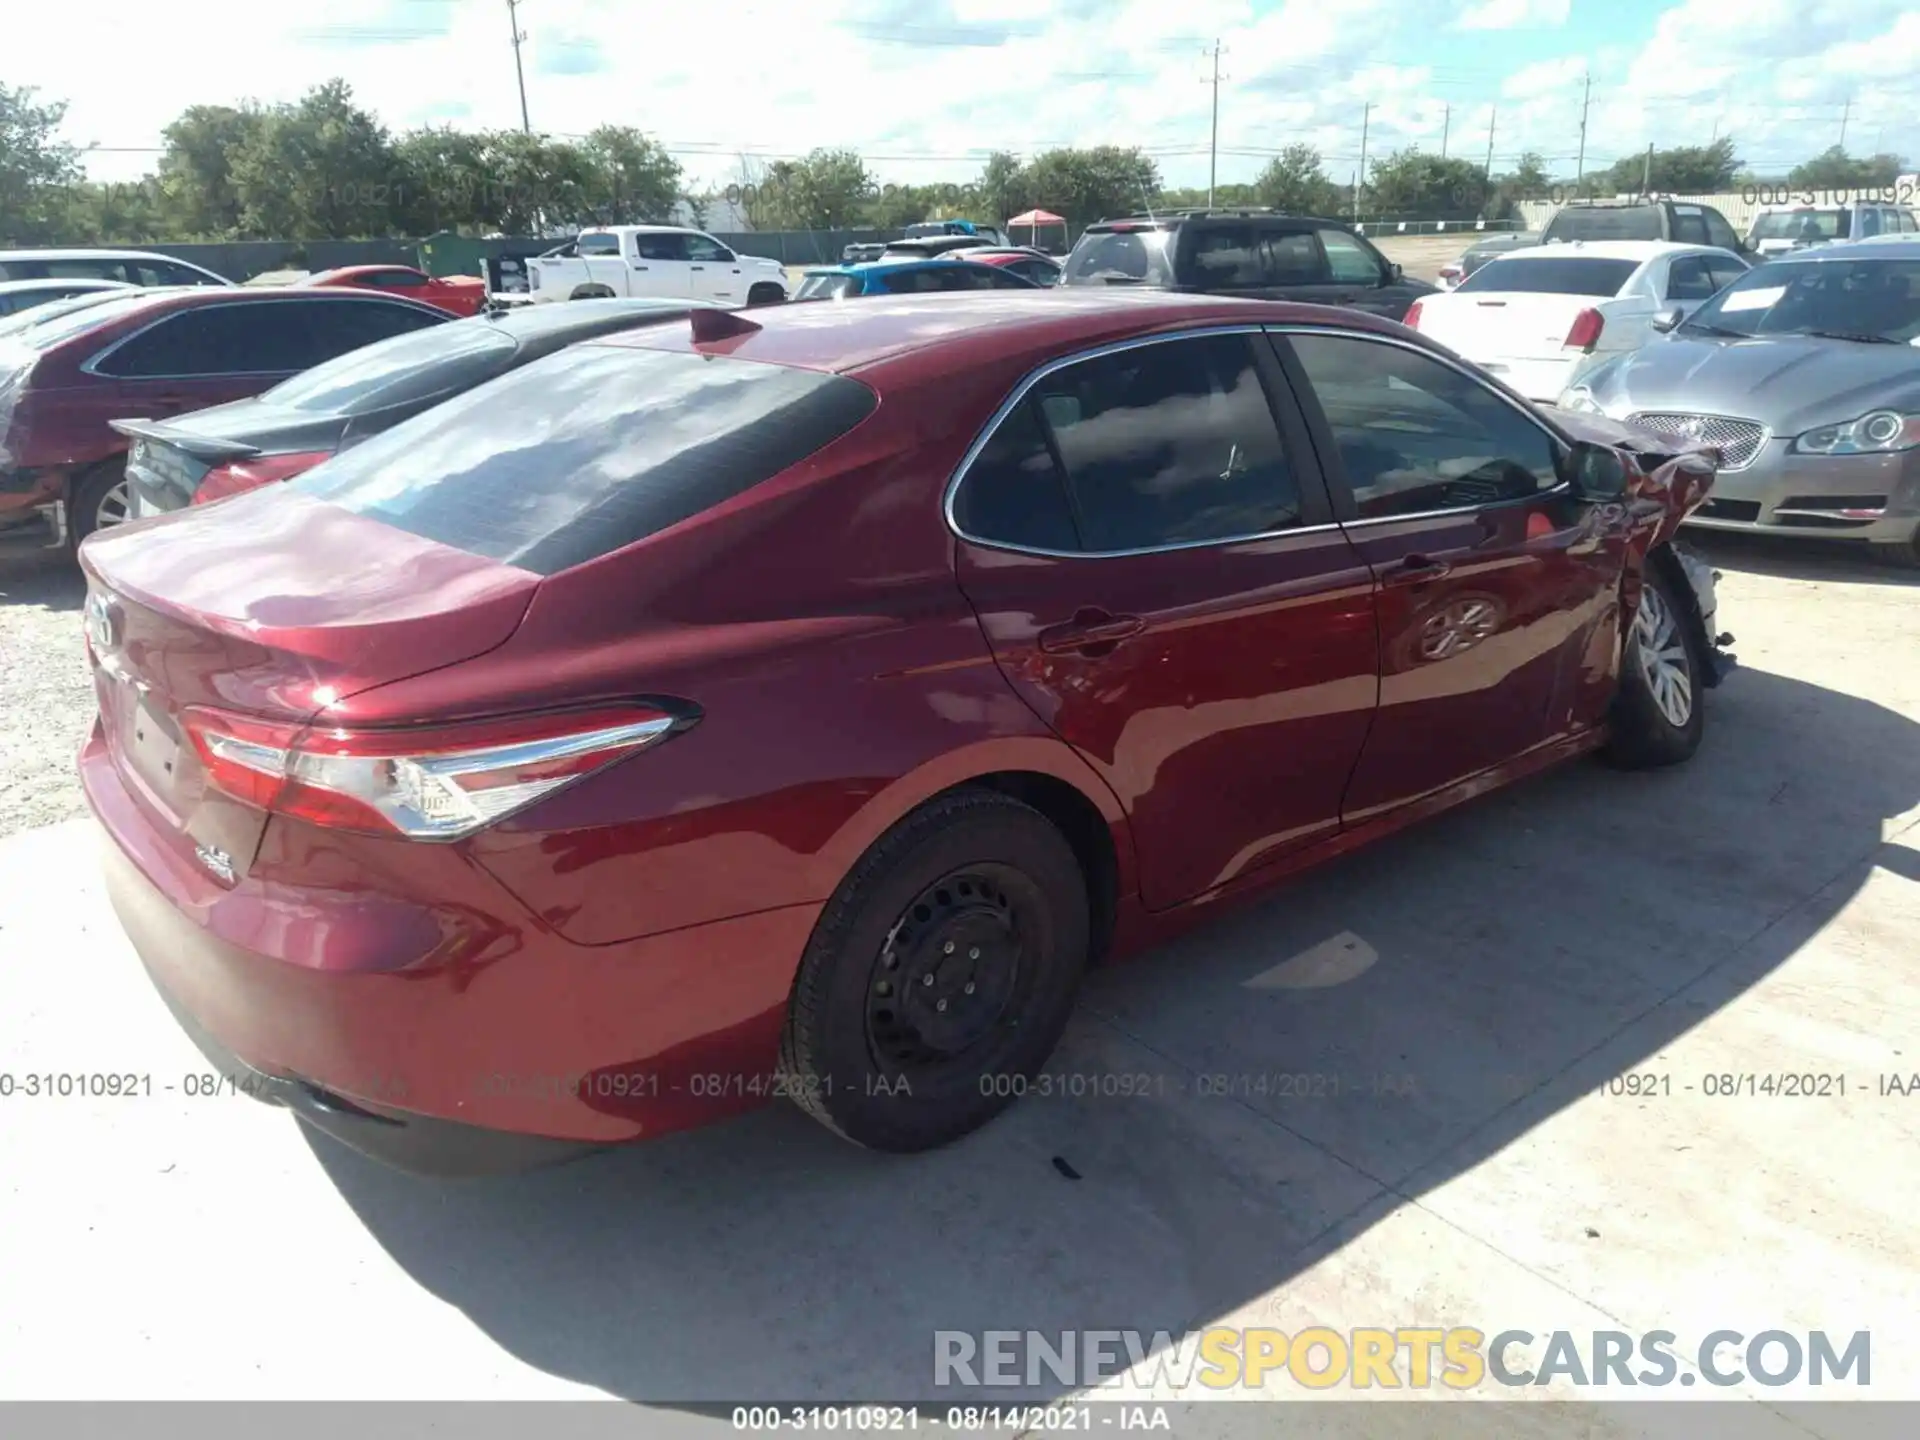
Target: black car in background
(1680,221)
(291,428)
(1251,253)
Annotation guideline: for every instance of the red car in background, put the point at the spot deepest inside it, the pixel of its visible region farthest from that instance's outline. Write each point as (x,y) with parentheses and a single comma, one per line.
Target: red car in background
(797,705)
(147,356)
(461,295)
(1035,265)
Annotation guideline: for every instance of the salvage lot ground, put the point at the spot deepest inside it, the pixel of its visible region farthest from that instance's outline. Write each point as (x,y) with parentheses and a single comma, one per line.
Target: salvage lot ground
(1752,913)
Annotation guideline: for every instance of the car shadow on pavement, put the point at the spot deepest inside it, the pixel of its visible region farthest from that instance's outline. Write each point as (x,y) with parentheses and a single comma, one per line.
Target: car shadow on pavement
(32,576)
(1798,559)
(1440,995)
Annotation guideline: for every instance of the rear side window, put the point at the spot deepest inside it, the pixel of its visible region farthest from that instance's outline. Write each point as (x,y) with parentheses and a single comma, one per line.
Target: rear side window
(589,450)
(597,244)
(263,338)
(1552,276)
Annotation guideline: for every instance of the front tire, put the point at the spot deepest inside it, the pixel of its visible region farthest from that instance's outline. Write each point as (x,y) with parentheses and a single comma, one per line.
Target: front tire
(940,975)
(1659,712)
(766,293)
(1900,554)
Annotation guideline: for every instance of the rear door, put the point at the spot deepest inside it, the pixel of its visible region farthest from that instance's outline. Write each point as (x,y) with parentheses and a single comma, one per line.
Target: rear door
(1497,601)
(601,262)
(1147,542)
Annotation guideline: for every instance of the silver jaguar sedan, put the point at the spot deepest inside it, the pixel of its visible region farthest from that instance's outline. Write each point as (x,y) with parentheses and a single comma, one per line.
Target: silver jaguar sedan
(1805,373)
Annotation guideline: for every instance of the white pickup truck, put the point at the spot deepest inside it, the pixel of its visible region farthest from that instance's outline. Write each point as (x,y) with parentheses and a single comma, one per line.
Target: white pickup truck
(654,261)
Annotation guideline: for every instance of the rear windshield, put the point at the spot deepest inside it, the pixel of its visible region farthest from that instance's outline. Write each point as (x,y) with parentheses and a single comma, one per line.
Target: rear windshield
(1802,225)
(393,372)
(1544,276)
(589,450)
(1620,222)
(827,287)
(1120,257)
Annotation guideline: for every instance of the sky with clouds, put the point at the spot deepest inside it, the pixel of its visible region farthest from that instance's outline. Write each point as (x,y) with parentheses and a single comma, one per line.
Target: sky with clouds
(926,87)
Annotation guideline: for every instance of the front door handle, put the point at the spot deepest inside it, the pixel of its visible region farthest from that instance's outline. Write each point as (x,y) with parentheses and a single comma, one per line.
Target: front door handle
(1416,570)
(1090,632)
(699,267)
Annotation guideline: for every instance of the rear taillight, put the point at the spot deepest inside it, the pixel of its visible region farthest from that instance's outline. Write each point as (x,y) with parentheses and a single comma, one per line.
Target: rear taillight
(1412,320)
(533,277)
(442,783)
(1584,333)
(251,474)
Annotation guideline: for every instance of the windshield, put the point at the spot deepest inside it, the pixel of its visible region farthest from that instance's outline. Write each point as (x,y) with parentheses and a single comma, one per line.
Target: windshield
(1618,222)
(1874,300)
(1118,257)
(391,372)
(1551,276)
(1802,225)
(827,287)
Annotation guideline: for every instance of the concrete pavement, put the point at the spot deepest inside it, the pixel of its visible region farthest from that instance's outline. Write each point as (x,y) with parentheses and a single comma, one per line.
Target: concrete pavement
(1473,989)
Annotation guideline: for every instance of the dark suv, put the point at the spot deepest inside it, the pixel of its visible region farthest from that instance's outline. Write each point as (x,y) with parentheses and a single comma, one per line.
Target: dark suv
(1675,220)
(1253,253)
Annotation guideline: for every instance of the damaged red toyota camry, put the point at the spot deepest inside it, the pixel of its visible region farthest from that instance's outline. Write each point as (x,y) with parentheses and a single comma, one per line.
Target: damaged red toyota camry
(797,705)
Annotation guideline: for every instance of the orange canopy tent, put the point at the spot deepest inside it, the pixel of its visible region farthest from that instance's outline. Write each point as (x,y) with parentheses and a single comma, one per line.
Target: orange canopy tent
(1033,220)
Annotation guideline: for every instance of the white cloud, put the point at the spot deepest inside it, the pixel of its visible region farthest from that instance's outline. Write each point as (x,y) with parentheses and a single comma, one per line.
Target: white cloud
(1511,14)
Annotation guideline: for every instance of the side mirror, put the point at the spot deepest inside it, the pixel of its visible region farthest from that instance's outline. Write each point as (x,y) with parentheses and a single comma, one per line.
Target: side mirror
(1394,273)
(1667,320)
(1596,472)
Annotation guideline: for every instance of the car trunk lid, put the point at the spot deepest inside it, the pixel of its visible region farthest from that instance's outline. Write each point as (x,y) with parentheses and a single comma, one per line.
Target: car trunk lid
(169,458)
(272,606)
(1503,324)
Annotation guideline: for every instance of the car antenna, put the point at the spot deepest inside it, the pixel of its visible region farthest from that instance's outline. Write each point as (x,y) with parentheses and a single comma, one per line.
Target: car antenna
(710,325)
(1145,199)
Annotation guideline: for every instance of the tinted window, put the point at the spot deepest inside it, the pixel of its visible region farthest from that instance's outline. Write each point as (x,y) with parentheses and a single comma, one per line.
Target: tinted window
(1013,493)
(1551,275)
(89,270)
(1869,223)
(1690,229)
(702,249)
(1248,256)
(1687,279)
(1417,435)
(1169,443)
(174,274)
(265,337)
(1620,222)
(394,371)
(333,328)
(660,247)
(1719,232)
(392,279)
(1108,257)
(589,450)
(1723,270)
(1350,262)
(1797,297)
(598,243)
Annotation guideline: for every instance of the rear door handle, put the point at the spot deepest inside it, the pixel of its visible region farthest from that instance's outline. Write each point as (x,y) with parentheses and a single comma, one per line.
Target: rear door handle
(1416,570)
(1090,632)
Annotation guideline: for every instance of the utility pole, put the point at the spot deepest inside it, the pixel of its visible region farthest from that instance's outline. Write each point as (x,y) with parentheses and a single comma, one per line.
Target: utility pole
(1845,112)
(1492,115)
(1580,169)
(519,72)
(1446,126)
(1366,118)
(1213,144)
(1646,175)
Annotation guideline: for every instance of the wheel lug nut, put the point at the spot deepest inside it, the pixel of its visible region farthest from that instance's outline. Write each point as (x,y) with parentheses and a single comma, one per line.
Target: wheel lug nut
(926,979)
(974,953)
(883,988)
(940,1005)
(969,987)
(947,949)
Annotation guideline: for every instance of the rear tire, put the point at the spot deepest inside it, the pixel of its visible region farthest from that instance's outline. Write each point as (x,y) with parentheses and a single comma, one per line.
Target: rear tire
(1900,554)
(1659,711)
(591,292)
(98,499)
(940,975)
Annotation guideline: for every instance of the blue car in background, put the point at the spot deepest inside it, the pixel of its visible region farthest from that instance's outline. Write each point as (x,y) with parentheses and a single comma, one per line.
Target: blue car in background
(904,277)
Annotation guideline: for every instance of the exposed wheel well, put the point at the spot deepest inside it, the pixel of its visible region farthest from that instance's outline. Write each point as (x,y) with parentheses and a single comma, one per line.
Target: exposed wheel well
(1087,832)
(765,292)
(591,292)
(1662,558)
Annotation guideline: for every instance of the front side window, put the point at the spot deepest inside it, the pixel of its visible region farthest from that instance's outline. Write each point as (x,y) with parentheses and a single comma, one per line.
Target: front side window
(1417,435)
(1687,279)
(1690,229)
(704,250)
(597,242)
(1719,232)
(1350,262)
(660,247)
(589,450)
(212,340)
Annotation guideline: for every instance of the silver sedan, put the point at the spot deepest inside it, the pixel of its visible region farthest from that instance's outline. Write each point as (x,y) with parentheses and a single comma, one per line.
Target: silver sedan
(1805,373)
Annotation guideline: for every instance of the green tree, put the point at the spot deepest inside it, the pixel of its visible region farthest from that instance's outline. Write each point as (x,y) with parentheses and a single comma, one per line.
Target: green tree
(1002,188)
(36,167)
(632,180)
(1528,180)
(196,170)
(1082,186)
(533,182)
(828,190)
(444,180)
(1834,169)
(1683,170)
(1412,183)
(320,168)
(897,206)
(116,214)
(1296,182)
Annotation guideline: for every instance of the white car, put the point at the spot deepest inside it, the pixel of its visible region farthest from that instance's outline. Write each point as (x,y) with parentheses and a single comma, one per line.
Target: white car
(1540,318)
(129,267)
(655,261)
(1778,229)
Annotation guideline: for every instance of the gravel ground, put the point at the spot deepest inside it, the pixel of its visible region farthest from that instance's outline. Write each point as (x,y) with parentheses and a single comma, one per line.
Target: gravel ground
(46,696)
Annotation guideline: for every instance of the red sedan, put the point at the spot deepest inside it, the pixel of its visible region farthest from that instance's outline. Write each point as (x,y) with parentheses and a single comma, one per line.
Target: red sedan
(456,294)
(798,704)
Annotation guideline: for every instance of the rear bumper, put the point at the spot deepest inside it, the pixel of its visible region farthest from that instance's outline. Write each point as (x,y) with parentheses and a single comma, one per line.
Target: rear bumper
(409,1026)
(1849,497)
